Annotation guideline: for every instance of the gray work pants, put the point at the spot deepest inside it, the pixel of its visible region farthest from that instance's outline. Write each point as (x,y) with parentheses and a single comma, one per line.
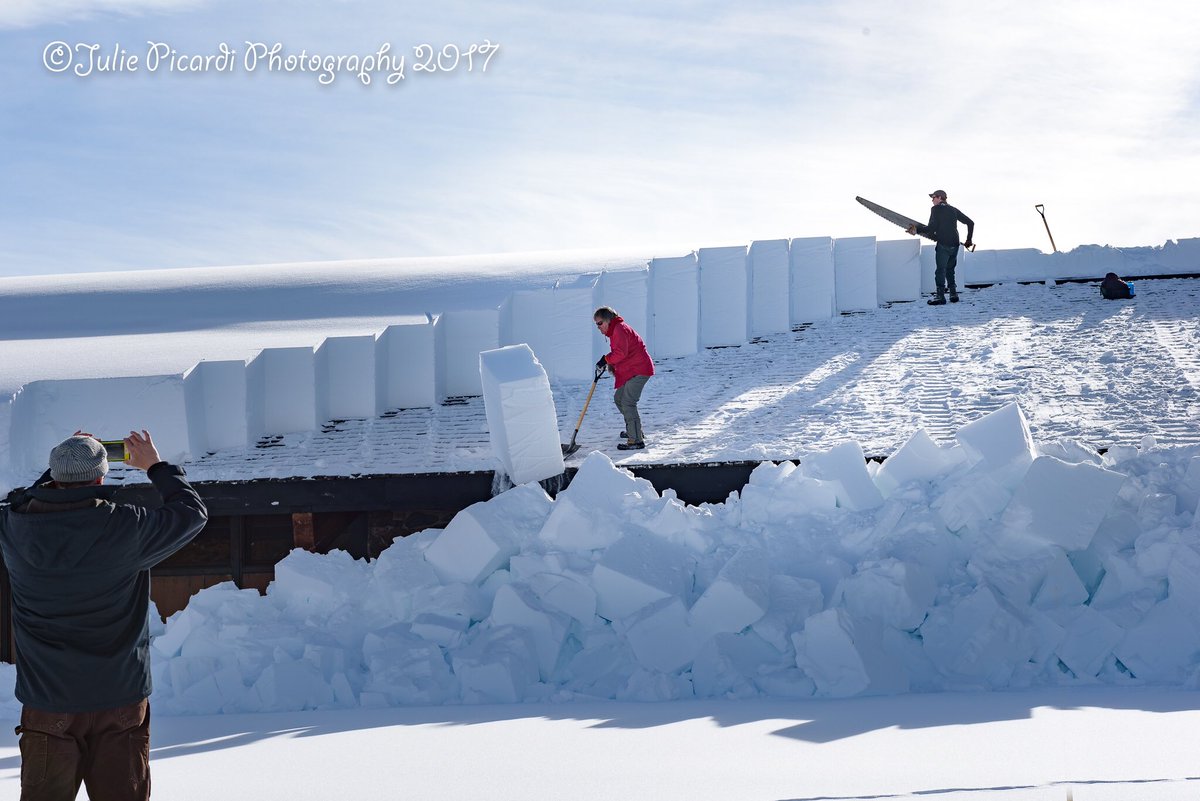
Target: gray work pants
(626,398)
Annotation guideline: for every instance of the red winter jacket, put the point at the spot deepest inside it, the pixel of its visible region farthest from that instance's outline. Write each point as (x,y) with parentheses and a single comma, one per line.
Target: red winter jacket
(629,356)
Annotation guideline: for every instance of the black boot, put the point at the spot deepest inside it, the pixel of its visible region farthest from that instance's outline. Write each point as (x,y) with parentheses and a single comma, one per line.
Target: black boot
(937,300)
(953,296)
(631,446)
(624,435)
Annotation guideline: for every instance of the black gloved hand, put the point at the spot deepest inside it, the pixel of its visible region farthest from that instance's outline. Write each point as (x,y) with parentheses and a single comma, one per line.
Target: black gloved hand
(603,363)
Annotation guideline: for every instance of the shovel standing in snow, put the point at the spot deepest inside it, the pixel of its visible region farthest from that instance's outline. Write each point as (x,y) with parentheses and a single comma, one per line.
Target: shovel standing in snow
(1042,211)
(571,448)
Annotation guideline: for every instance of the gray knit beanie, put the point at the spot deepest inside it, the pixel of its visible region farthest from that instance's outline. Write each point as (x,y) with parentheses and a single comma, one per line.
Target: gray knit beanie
(77,460)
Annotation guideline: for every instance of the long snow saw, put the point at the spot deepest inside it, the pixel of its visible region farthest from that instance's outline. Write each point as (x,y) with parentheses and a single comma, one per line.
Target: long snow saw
(895,218)
(572,446)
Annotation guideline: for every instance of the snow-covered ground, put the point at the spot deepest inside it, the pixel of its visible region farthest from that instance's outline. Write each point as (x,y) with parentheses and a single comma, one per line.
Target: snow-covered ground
(1099,744)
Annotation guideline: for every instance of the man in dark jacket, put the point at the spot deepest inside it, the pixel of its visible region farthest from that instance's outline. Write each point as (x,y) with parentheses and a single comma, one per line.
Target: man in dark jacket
(943,227)
(79,567)
(631,368)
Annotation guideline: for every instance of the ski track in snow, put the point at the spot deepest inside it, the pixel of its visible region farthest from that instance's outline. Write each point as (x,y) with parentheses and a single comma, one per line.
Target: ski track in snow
(1105,372)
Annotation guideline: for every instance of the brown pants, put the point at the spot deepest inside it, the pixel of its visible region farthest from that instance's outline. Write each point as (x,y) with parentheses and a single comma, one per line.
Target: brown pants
(109,751)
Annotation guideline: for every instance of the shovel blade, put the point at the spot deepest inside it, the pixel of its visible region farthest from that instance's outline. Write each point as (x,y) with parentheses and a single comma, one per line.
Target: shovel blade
(569,449)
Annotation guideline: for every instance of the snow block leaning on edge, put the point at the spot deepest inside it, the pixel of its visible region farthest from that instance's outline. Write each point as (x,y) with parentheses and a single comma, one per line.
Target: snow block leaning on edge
(1063,503)
(522,421)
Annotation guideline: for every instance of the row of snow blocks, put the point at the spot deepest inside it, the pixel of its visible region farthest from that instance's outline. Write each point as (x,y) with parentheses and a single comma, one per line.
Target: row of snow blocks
(346,378)
(855,277)
(769,287)
(1016,264)
(675,306)
(404,366)
(45,413)
(459,338)
(522,421)
(724,299)
(281,392)
(628,293)
(813,280)
(898,270)
(557,325)
(216,405)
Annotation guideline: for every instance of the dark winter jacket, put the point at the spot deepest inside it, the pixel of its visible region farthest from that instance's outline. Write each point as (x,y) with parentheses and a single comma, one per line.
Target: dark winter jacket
(943,225)
(1113,288)
(79,570)
(629,356)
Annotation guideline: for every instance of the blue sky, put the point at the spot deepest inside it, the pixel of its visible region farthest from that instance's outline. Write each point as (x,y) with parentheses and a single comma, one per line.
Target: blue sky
(619,125)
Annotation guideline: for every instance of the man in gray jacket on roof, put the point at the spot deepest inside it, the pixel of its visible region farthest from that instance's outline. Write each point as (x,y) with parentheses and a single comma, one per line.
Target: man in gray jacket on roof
(79,567)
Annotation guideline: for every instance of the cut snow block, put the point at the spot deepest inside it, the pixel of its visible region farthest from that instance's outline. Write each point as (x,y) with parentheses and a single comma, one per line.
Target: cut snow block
(675,306)
(737,598)
(45,413)
(404,366)
(660,637)
(929,269)
(1087,642)
(482,537)
(1021,264)
(571,322)
(980,267)
(894,592)
(281,393)
(999,442)
(566,595)
(724,296)
(216,405)
(1162,647)
(636,571)
(524,318)
(770,287)
(1063,503)
(898,270)
(845,656)
(346,378)
(403,669)
(975,641)
(498,667)
(918,459)
(854,274)
(627,292)
(518,606)
(459,338)
(522,420)
(845,466)
(813,283)
(728,665)
(316,585)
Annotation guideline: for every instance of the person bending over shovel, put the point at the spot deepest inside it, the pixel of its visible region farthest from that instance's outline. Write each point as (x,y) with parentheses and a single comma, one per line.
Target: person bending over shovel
(631,367)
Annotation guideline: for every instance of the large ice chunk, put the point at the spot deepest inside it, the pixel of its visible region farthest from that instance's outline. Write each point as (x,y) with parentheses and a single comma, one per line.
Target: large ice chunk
(637,570)
(999,443)
(918,459)
(498,667)
(975,641)
(1088,641)
(845,656)
(1063,503)
(482,537)
(738,596)
(522,421)
(518,606)
(660,636)
(845,466)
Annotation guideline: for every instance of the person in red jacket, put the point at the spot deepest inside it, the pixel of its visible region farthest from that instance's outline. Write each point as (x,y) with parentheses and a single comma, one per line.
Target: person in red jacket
(631,368)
